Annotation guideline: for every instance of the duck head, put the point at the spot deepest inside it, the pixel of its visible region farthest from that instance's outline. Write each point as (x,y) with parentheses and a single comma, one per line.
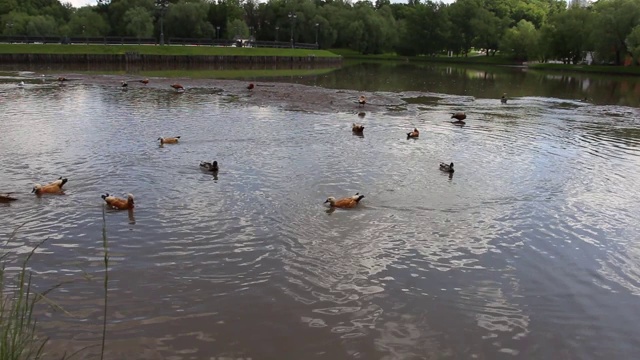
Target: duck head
(36,188)
(331,200)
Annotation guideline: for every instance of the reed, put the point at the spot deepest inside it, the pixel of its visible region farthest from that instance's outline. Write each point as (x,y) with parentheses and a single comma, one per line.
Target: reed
(18,337)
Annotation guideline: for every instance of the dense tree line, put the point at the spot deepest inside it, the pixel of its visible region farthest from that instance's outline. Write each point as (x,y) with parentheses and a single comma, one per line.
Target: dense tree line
(607,30)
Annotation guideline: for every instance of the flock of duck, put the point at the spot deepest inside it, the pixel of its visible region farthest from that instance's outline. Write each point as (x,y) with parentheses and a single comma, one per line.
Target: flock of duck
(56,187)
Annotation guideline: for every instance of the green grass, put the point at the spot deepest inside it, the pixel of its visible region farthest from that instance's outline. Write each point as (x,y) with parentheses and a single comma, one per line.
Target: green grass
(18,337)
(599,69)
(157,50)
(216,74)
(475,58)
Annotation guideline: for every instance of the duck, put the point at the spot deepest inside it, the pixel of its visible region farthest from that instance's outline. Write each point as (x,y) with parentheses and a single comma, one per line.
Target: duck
(357,128)
(209,166)
(459,116)
(144,81)
(503,99)
(168,140)
(6,198)
(118,203)
(51,188)
(124,84)
(21,83)
(62,79)
(250,86)
(345,203)
(446,168)
(362,100)
(362,114)
(414,134)
(178,87)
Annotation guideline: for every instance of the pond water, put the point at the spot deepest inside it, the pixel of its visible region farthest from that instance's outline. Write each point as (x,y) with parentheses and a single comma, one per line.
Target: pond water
(530,249)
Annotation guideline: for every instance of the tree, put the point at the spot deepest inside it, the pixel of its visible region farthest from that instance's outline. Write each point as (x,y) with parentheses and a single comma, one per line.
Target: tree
(564,36)
(613,22)
(237,28)
(88,20)
(188,19)
(41,26)
(633,43)
(488,29)
(521,41)
(139,22)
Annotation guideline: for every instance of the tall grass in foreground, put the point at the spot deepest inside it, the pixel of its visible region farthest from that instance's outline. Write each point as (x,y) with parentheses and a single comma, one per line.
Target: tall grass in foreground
(18,332)
(18,337)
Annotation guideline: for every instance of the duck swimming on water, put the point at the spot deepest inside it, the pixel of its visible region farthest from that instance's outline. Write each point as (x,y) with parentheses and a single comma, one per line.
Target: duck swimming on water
(169,140)
(414,134)
(345,203)
(51,188)
(209,166)
(446,168)
(118,203)
(503,99)
(357,128)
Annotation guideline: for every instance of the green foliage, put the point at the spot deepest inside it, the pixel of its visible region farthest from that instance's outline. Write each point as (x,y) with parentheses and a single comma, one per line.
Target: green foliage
(419,27)
(139,22)
(188,20)
(87,21)
(522,41)
(633,42)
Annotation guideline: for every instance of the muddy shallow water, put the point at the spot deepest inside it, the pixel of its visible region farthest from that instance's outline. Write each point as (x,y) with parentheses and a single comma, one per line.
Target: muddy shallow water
(528,251)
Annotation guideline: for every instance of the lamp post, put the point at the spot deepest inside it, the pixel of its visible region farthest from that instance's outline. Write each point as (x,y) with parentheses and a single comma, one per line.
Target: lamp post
(317,26)
(292,18)
(10,26)
(84,36)
(277,30)
(162,4)
(218,32)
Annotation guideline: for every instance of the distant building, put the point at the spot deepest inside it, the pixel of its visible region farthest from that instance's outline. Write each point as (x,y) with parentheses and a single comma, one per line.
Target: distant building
(579,3)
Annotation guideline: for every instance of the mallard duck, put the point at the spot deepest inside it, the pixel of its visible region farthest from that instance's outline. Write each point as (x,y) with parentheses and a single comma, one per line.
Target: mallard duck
(250,86)
(503,99)
(414,134)
(357,128)
(209,166)
(347,202)
(118,203)
(362,114)
(51,188)
(362,100)
(459,116)
(6,197)
(144,81)
(21,83)
(168,140)
(446,168)
(124,84)
(178,87)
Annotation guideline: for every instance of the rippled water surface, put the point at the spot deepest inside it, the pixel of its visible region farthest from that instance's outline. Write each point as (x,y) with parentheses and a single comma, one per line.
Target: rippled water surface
(530,250)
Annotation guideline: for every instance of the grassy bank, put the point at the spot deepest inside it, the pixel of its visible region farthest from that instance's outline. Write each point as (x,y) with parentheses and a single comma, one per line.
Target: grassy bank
(215,74)
(596,69)
(157,50)
(472,59)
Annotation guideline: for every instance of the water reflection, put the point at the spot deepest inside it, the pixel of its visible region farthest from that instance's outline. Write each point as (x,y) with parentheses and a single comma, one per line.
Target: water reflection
(532,242)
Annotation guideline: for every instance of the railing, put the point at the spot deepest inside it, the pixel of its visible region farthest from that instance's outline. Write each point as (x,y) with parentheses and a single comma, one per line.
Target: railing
(118,40)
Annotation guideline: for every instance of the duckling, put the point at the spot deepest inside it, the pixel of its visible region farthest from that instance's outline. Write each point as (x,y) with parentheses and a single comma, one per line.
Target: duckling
(209,166)
(414,134)
(124,84)
(144,81)
(357,128)
(168,140)
(6,198)
(178,87)
(459,116)
(51,188)
(362,114)
(118,203)
(361,101)
(503,99)
(345,203)
(250,86)
(446,168)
